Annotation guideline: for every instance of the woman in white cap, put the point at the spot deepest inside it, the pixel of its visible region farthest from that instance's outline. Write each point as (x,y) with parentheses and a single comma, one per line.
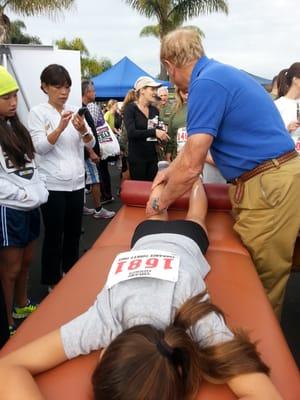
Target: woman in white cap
(141,121)
(21,193)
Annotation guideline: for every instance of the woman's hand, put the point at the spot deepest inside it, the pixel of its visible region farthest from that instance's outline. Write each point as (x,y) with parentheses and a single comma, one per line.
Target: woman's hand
(162,135)
(64,121)
(79,123)
(292,126)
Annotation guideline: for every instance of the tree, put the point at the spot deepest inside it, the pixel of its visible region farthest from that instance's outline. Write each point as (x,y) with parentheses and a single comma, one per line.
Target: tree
(28,8)
(171,14)
(90,66)
(17,36)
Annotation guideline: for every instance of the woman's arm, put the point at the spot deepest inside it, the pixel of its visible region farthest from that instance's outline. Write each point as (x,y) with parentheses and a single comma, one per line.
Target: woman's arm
(44,140)
(18,368)
(255,386)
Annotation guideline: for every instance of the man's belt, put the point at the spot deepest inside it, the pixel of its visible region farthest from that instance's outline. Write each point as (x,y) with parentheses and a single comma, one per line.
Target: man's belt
(265,166)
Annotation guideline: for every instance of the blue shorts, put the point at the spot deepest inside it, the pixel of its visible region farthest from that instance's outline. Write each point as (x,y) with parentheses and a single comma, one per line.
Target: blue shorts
(18,228)
(92,174)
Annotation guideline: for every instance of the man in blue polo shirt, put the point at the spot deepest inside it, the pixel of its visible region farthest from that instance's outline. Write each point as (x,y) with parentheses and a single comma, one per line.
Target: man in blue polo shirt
(233,116)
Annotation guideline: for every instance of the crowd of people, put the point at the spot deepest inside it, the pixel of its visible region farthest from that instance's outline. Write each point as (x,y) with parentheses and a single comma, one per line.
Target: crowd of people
(223,126)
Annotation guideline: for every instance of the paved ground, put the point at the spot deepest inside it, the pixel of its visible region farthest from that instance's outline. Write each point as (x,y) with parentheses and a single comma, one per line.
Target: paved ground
(93,228)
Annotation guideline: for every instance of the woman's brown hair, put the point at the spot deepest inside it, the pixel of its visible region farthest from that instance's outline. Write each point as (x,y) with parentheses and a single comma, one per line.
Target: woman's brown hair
(129,98)
(15,141)
(146,363)
(179,102)
(285,78)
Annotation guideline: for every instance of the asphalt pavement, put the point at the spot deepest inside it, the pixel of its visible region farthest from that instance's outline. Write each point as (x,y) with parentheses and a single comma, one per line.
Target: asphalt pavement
(92,229)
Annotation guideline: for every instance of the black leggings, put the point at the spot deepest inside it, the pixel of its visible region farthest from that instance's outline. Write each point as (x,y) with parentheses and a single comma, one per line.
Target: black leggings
(142,170)
(105,181)
(62,216)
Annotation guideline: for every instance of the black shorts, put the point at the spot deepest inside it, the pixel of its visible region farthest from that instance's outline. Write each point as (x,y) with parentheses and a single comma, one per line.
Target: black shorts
(18,228)
(183,227)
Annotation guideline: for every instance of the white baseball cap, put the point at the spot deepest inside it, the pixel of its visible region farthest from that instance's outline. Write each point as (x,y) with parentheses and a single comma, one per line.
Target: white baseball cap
(144,81)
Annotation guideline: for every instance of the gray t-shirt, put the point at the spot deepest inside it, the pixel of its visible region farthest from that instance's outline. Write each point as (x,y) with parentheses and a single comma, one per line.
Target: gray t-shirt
(146,301)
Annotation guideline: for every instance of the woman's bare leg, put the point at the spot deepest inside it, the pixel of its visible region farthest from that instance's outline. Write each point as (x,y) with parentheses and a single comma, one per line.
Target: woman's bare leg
(10,266)
(197,205)
(22,278)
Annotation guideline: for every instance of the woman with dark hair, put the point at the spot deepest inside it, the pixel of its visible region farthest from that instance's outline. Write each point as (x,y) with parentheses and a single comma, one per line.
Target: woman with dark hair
(288,103)
(141,120)
(21,193)
(59,135)
(161,334)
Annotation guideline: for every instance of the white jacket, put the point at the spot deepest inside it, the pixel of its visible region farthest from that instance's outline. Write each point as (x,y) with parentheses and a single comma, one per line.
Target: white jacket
(63,162)
(21,188)
(288,109)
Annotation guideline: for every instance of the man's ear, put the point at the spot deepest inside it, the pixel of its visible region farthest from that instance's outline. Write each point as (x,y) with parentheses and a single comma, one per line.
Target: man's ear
(169,66)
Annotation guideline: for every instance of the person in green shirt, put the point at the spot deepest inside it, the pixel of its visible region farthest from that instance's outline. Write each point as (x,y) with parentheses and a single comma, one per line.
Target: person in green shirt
(177,125)
(109,116)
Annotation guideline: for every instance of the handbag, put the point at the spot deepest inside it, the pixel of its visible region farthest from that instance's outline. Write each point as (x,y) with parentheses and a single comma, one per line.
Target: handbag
(108,142)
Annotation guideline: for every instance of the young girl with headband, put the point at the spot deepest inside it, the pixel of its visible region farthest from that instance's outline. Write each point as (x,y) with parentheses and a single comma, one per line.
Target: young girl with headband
(21,193)
(161,335)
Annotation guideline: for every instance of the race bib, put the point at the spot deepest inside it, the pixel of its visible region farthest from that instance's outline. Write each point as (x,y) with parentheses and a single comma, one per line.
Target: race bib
(181,138)
(103,134)
(144,264)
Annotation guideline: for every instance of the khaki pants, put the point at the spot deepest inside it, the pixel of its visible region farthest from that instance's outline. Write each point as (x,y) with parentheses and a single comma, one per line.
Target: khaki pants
(268,222)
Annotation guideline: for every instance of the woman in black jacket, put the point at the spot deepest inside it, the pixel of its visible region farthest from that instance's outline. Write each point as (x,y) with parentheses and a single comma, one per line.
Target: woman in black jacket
(142,123)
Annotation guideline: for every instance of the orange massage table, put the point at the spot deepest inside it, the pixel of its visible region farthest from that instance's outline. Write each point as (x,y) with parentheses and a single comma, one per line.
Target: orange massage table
(232,283)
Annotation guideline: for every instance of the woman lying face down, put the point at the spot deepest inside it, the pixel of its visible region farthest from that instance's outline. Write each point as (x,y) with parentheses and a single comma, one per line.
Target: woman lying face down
(161,334)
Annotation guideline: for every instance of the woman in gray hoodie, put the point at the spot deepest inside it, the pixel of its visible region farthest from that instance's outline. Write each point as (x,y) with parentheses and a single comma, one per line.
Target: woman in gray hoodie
(21,193)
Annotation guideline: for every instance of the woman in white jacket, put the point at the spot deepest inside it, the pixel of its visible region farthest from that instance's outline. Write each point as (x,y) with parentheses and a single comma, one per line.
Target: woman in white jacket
(59,135)
(21,193)
(288,103)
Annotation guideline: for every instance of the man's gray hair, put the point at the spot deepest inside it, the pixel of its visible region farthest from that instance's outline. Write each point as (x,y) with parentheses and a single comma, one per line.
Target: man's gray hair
(181,47)
(86,84)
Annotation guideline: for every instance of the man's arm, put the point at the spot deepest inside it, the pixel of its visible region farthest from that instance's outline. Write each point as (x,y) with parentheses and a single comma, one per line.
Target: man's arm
(184,170)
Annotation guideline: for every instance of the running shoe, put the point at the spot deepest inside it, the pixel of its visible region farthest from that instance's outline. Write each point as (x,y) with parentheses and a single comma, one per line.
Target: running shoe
(104,214)
(88,211)
(23,312)
(106,201)
(12,329)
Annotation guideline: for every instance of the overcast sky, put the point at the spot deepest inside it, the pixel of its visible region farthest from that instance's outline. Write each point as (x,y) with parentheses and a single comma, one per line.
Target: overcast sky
(260,36)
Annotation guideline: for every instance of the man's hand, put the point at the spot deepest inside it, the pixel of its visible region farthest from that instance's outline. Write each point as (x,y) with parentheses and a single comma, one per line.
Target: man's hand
(152,207)
(161,177)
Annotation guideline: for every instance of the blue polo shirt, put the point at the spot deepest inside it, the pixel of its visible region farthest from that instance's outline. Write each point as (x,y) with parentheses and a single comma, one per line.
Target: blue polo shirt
(232,107)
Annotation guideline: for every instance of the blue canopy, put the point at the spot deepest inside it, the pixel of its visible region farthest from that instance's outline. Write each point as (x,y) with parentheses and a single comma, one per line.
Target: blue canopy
(115,82)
